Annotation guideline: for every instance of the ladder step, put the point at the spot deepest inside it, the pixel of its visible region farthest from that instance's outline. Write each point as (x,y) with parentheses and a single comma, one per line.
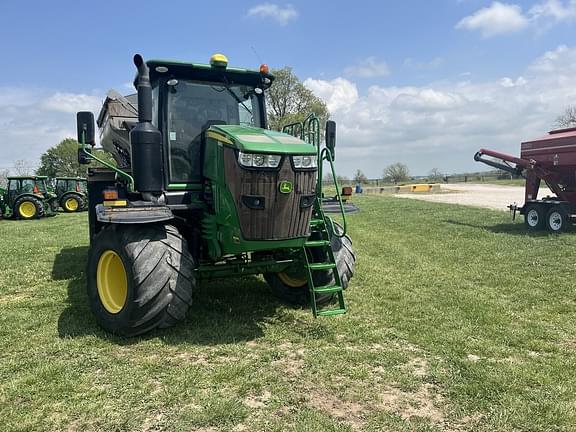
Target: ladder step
(331,312)
(327,289)
(322,266)
(316,222)
(317,243)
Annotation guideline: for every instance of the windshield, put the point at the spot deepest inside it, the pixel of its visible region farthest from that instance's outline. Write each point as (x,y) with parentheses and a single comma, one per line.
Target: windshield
(41,184)
(194,106)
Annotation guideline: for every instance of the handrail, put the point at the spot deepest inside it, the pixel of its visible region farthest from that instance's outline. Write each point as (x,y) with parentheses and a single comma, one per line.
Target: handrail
(326,155)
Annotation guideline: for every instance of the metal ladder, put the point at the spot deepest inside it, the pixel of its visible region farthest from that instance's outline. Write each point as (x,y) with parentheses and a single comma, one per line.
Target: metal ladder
(318,228)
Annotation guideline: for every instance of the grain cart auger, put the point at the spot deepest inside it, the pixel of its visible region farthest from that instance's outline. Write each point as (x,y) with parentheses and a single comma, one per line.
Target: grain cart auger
(551,159)
(26,198)
(71,194)
(202,190)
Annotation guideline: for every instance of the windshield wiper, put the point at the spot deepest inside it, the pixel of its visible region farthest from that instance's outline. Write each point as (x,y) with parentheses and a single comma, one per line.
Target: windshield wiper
(234,95)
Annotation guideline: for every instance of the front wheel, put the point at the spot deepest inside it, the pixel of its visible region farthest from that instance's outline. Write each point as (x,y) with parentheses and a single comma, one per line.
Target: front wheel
(139,278)
(292,286)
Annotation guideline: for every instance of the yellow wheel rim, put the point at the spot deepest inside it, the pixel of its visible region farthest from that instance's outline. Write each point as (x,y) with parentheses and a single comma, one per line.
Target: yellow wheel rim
(291,281)
(111,281)
(27,209)
(71,204)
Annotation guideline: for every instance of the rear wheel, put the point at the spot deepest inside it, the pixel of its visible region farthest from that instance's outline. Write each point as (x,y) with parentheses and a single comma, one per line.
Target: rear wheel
(72,203)
(28,207)
(556,219)
(139,278)
(292,287)
(534,217)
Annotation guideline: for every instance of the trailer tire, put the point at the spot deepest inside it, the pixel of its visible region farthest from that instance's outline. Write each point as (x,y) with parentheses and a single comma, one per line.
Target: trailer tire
(72,203)
(140,277)
(293,289)
(28,207)
(557,219)
(534,217)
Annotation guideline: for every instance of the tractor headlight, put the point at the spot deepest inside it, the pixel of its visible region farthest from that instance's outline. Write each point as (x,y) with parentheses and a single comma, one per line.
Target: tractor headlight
(258,160)
(305,162)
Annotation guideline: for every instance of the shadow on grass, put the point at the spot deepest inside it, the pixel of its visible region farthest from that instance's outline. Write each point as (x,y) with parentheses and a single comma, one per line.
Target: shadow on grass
(223,311)
(507,228)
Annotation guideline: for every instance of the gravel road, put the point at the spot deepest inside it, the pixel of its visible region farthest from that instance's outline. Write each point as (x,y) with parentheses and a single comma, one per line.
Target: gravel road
(477,195)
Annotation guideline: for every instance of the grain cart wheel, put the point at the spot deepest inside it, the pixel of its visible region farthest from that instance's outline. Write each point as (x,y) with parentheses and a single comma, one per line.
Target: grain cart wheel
(28,207)
(292,286)
(534,217)
(139,278)
(72,202)
(557,219)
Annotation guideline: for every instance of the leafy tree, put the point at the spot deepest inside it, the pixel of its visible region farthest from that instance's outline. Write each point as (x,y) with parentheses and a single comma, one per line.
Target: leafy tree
(359,177)
(289,101)
(567,118)
(397,172)
(62,160)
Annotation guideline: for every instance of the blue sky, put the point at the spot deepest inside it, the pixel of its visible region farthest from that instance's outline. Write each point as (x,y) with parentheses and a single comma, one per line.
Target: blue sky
(422,82)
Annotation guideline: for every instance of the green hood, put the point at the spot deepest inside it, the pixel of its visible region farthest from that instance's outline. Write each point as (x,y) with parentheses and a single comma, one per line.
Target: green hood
(255,140)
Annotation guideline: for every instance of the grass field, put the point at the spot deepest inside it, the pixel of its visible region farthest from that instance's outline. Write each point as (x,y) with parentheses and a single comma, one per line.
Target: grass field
(458,320)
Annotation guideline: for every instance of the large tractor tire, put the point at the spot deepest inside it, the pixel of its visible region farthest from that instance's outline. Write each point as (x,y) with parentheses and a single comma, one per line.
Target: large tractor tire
(140,277)
(28,207)
(72,203)
(292,287)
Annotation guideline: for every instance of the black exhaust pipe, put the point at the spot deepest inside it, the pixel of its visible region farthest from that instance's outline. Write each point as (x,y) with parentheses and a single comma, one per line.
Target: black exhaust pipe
(146,139)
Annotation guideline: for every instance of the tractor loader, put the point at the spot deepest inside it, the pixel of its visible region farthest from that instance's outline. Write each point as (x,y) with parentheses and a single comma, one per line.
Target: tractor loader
(202,189)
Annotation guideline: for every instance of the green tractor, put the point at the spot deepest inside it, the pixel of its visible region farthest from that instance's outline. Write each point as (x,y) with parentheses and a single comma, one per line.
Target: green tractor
(72,193)
(203,190)
(26,198)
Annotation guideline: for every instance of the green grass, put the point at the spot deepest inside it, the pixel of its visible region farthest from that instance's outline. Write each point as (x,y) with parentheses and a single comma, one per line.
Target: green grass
(458,320)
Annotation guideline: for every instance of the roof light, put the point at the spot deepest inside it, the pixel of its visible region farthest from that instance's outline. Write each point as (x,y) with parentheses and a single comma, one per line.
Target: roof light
(219,60)
(264,69)
(161,69)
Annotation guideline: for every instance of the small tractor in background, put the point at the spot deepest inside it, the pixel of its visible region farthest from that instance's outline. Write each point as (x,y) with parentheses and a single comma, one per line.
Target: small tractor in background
(71,193)
(202,190)
(26,197)
(551,159)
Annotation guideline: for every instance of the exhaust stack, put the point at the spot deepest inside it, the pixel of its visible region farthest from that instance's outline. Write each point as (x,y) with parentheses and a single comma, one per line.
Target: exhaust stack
(146,139)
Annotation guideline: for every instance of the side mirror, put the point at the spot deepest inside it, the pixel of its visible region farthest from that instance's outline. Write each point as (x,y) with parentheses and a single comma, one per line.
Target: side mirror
(85,126)
(83,157)
(331,136)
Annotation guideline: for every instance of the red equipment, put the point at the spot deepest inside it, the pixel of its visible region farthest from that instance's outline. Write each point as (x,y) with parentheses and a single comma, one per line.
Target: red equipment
(552,159)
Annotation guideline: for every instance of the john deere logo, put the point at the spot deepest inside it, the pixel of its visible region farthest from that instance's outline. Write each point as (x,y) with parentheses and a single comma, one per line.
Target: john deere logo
(286,187)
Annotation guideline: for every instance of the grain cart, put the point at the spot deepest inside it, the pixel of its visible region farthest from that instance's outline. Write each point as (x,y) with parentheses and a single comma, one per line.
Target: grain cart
(202,190)
(551,159)
(26,198)
(71,193)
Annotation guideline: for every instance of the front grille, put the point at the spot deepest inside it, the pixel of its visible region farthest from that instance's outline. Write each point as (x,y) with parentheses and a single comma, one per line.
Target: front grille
(282,216)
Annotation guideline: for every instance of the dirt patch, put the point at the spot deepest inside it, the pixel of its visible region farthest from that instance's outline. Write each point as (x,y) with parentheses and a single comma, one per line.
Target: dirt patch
(351,413)
(422,403)
(258,401)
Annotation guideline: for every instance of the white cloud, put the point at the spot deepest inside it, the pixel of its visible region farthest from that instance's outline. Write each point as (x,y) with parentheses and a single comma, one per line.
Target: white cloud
(498,18)
(368,68)
(33,120)
(555,10)
(443,124)
(278,13)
